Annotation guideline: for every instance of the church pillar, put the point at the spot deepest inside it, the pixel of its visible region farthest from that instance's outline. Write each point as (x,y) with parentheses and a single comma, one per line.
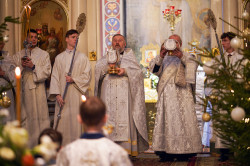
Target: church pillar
(230,10)
(78,7)
(93,28)
(7,8)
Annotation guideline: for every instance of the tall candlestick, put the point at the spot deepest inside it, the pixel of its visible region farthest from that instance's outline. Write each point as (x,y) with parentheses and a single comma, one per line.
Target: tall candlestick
(18,93)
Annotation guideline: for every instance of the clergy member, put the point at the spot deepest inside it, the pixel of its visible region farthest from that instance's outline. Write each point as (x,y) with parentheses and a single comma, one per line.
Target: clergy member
(176,133)
(93,148)
(123,94)
(36,68)
(7,75)
(231,57)
(78,85)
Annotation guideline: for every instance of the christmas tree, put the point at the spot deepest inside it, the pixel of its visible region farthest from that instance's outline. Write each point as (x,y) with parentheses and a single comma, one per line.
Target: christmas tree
(5,38)
(230,96)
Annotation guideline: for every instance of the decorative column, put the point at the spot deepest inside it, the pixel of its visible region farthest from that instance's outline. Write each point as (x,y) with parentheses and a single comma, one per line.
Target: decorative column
(216,7)
(78,7)
(112,21)
(93,35)
(230,10)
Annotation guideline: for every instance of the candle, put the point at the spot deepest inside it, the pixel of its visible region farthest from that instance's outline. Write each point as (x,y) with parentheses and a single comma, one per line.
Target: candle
(83,98)
(18,93)
(167,11)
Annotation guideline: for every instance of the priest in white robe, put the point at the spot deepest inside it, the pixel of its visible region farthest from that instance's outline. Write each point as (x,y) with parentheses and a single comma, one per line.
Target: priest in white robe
(78,85)
(93,148)
(124,96)
(35,69)
(7,75)
(176,133)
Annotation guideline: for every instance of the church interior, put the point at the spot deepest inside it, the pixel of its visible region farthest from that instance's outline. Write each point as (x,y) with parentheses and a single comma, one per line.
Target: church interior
(146,25)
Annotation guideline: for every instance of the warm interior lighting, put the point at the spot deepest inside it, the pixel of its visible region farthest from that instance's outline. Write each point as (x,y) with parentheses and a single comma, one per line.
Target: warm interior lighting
(83,98)
(18,72)
(172,15)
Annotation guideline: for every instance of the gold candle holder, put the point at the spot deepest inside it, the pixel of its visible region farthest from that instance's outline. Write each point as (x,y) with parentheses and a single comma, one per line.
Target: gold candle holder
(173,16)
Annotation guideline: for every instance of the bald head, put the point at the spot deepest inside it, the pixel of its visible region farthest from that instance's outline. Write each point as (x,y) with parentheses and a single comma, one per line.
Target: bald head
(176,37)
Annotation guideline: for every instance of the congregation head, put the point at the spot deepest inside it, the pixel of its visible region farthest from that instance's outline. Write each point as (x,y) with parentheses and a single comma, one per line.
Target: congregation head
(53,134)
(92,111)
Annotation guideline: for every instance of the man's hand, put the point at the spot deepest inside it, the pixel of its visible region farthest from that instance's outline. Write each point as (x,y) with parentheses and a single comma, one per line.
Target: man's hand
(60,101)
(69,79)
(112,65)
(163,51)
(121,71)
(27,63)
(177,52)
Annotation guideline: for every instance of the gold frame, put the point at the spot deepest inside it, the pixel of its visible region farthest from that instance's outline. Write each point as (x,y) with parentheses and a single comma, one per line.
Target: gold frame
(64,4)
(145,48)
(92,56)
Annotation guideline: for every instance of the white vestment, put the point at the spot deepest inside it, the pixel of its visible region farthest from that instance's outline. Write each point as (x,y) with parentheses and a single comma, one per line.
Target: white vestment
(176,128)
(81,74)
(96,152)
(125,101)
(8,66)
(34,110)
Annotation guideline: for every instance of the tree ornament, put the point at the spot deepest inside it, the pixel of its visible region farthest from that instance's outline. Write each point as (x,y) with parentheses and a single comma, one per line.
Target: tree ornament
(246,86)
(245,15)
(239,78)
(206,117)
(246,33)
(235,42)
(6,38)
(238,114)
(5,102)
(207,68)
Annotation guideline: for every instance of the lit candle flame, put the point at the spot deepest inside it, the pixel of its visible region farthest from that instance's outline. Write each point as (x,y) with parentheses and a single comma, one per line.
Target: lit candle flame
(17,71)
(83,98)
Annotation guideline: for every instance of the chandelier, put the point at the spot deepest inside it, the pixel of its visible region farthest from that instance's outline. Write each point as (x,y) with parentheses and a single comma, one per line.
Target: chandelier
(173,16)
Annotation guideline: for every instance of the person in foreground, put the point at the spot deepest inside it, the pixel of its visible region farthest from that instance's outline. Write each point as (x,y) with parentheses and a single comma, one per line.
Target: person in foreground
(93,148)
(176,133)
(56,137)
